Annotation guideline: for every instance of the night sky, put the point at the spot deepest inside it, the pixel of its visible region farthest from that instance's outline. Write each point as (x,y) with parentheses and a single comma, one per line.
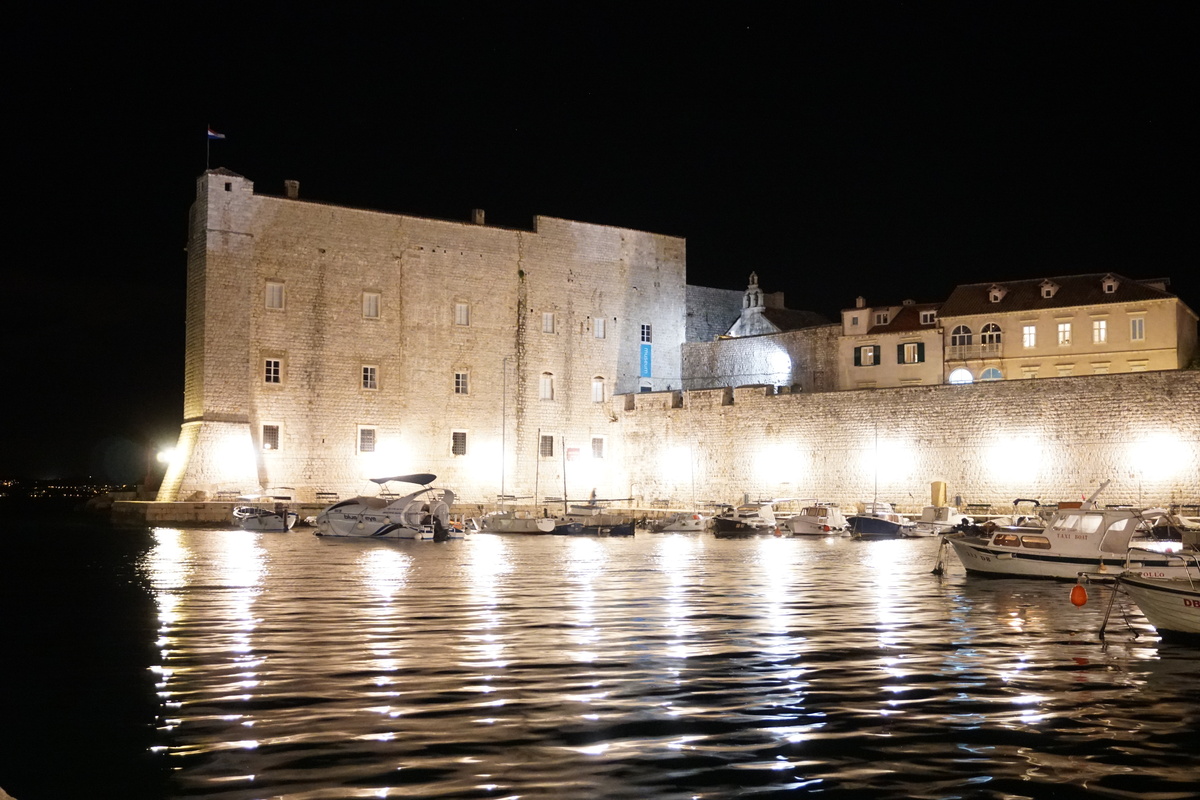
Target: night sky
(889,149)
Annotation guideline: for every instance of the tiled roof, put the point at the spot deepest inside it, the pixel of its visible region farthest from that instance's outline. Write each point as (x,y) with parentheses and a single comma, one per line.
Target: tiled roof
(908,318)
(1026,295)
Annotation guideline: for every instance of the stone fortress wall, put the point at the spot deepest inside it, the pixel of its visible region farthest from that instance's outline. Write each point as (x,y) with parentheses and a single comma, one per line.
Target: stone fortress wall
(533,299)
(785,434)
(1055,440)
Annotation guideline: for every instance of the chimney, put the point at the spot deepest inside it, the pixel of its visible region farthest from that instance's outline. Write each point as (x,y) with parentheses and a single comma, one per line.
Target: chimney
(476,216)
(292,189)
(860,302)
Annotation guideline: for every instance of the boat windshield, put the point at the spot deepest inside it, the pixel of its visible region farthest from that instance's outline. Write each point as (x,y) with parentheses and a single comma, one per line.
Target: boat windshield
(1086,523)
(1116,538)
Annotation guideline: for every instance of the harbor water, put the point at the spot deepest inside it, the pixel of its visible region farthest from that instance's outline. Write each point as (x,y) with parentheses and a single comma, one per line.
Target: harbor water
(166,663)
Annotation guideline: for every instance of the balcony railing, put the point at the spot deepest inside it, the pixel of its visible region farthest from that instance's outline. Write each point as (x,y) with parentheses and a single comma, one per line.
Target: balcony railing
(963,352)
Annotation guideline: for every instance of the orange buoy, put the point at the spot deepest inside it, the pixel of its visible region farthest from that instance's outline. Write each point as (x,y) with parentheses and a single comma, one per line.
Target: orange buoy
(1078,595)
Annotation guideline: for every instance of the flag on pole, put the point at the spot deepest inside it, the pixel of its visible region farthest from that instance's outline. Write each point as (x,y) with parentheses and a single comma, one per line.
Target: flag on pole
(214,135)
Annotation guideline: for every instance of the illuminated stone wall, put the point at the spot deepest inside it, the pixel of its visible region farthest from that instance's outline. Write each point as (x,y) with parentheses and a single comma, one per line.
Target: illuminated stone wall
(1053,439)
(326,258)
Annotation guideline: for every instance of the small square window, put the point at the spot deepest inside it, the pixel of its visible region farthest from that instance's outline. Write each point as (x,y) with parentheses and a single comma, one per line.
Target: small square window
(1099,331)
(273,371)
(366,440)
(854,322)
(598,327)
(462,383)
(370,305)
(597,447)
(274,295)
(458,443)
(546,447)
(647,334)
(1137,329)
(270,437)
(1064,334)
(462,314)
(370,377)
(928,317)
(881,318)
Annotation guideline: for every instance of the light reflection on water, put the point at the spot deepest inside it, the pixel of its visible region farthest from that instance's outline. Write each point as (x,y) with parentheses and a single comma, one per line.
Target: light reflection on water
(657,666)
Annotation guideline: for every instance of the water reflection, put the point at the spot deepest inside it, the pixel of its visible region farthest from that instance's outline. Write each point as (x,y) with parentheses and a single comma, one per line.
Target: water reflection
(659,666)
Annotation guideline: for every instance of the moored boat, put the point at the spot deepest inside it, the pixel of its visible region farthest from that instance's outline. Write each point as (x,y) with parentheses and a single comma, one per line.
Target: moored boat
(593,519)
(253,518)
(1099,543)
(821,519)
(936,520)
(682,522)
(1171,605)
(422,514)
(748,519)
(512,522)
(878,521)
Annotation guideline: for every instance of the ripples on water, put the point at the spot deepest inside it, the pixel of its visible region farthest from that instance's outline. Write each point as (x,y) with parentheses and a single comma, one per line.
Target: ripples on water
(664,666)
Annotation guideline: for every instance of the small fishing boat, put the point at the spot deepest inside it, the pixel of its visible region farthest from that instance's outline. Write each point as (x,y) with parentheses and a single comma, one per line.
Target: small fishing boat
(590,518)
(512,522)
(748,519)
(253,518)
(1171,605)
(878,521)
(1099,543)
(822,519)
(936,520)
(682,522)
(422,514)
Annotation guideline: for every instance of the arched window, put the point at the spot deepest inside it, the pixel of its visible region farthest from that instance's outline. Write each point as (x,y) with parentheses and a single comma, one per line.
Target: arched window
(960,335)
(961,376)
(991,374)
(598,389)
(990,334)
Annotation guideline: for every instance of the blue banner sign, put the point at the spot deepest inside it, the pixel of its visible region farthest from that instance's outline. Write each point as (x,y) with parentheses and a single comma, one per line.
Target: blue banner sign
(646,360)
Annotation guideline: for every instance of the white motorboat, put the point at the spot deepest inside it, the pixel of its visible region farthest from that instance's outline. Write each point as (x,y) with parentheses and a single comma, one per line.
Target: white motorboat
(423,514)
(936,520)
(253,518)
(878,521)
(514,522)
(822,519)
(1172,605)
(682,522)
(1099,543)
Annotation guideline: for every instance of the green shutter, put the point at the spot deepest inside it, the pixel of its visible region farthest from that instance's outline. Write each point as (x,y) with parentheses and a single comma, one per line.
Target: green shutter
(899,354)
(875,351)
(920,352)
(858,356)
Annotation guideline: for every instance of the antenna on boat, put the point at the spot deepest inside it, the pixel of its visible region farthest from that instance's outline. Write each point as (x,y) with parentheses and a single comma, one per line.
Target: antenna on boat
(1091,501)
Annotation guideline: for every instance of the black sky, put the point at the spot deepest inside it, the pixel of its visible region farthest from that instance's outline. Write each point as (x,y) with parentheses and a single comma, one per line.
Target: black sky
(888,149)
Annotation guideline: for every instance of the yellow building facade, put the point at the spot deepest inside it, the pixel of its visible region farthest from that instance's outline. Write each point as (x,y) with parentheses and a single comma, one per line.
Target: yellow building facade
(1056,327)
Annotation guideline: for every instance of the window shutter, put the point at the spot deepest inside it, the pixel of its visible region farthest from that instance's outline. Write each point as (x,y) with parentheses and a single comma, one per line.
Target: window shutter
(899,354)
(858,356)
(920,352)
(875,350)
